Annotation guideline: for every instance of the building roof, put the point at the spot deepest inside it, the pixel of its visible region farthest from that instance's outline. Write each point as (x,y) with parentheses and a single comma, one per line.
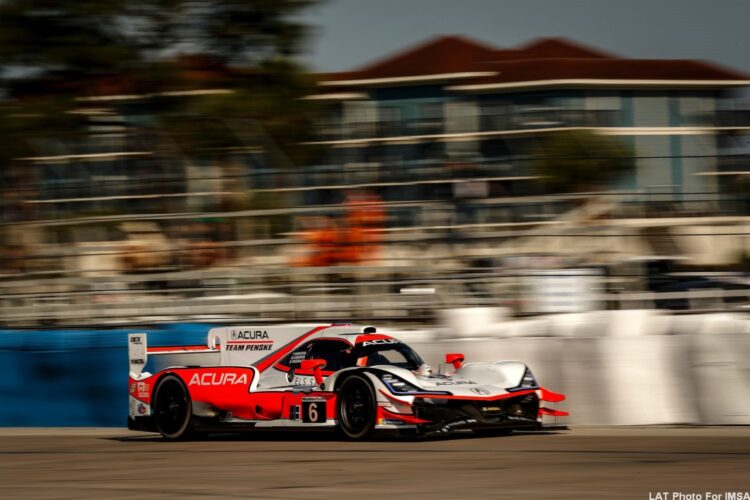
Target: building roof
(471,65)
(605,72)
(446,55)
(553,48)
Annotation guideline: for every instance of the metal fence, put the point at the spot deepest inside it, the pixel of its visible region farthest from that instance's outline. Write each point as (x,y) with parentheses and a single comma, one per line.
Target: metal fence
(411,294)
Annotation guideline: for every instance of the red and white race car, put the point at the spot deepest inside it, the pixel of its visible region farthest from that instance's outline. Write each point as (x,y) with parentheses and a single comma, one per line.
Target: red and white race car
(338,376)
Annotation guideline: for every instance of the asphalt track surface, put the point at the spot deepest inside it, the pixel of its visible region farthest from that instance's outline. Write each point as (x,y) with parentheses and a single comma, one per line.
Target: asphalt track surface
(636,462)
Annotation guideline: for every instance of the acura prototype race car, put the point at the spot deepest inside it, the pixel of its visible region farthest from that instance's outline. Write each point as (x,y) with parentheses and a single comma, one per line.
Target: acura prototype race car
(337,376)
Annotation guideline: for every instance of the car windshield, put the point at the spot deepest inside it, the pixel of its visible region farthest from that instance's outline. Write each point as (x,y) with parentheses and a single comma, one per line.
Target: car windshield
(400,355)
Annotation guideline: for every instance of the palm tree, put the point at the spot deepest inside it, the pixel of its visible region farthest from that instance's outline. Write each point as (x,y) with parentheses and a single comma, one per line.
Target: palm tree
(581,161)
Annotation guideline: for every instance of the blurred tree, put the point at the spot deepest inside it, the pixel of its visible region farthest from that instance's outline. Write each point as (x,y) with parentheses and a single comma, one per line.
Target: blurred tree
(581,161)
(244,32)
(267,111)
(53,52)
(58,46)
(28,127)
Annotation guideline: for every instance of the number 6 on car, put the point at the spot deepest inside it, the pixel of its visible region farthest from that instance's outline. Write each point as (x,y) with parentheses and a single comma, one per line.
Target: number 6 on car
(337,376)
(313,411)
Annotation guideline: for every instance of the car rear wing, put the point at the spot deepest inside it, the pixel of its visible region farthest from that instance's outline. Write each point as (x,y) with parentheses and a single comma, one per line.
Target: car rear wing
(138,351)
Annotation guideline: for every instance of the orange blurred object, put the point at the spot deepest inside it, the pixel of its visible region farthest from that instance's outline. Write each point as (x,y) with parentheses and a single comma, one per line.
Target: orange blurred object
(353,241)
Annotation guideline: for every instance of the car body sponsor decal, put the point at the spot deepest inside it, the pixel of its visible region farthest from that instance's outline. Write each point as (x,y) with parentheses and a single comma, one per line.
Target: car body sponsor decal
(213,378)
(380,342)
(456,382)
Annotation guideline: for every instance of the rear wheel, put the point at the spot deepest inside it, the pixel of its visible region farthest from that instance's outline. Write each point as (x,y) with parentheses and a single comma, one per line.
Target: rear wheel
(357,407)
(173,410)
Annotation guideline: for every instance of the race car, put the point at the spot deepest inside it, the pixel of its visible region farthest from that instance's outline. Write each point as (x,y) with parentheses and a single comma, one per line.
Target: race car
(338,376)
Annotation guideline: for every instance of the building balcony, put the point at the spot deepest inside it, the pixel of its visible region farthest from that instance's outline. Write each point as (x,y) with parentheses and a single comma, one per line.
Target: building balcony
(529,119)
(732,118)
(539,118)
(410,127)
(382,129)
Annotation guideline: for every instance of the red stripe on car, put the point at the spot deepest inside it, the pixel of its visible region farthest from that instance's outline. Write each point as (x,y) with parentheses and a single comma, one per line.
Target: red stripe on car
(272,358)
(177,348)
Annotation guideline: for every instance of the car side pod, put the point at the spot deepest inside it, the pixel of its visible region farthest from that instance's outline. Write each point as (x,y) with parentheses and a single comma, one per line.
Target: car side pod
(316,365)
(456,359)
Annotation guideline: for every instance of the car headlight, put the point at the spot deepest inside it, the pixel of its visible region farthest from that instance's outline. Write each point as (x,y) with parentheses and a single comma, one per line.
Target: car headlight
(528,379)
(401,387)
(397,385)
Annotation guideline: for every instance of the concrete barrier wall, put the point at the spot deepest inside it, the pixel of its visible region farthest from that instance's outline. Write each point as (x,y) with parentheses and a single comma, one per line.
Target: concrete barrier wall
(616,367)
(633,367)
(721,369)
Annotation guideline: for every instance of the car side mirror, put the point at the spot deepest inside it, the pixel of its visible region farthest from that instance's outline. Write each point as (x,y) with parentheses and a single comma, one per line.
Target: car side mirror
(456,359)
(316,365)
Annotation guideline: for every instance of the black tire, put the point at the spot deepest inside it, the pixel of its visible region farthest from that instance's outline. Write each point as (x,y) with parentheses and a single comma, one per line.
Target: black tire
(173,409)
(356,407)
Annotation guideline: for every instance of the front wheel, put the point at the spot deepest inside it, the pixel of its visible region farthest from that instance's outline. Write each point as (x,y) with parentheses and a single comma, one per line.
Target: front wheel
(173,409)
(357,407)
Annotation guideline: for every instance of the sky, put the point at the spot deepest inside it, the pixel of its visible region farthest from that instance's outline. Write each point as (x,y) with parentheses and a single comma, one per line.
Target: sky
(350,33)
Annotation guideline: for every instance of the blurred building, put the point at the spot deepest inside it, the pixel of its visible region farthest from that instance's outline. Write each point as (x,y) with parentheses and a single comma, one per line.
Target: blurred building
(125,162)
(451,120)
(442,135)
(411,123)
